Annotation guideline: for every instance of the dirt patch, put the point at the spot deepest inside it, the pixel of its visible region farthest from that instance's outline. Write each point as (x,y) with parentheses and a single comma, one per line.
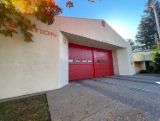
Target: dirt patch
(27,109)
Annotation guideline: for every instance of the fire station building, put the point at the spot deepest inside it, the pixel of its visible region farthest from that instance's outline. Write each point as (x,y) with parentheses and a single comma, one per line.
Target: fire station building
(70,49)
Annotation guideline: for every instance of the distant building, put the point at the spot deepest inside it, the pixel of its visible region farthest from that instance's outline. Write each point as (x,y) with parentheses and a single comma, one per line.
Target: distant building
(142,60)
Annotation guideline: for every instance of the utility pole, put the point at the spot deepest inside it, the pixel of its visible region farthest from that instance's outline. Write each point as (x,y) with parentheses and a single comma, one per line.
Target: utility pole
(153,7)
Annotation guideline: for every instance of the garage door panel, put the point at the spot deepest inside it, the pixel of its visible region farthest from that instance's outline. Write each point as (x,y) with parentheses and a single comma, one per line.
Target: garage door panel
(103,62)
(78,72)
(86,62)
(81,62)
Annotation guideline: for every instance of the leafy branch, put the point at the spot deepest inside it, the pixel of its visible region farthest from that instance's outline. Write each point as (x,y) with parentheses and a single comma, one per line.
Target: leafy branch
(12,19)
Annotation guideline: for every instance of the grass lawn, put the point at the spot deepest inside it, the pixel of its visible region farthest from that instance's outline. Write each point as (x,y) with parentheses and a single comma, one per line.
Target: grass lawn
(27,109)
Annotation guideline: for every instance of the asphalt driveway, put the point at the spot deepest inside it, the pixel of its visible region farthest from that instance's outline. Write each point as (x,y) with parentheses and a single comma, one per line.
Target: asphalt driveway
(117,98)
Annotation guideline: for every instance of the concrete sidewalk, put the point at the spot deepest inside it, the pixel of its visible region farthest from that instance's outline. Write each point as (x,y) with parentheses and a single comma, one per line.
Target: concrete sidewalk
(141,78)
(95,101)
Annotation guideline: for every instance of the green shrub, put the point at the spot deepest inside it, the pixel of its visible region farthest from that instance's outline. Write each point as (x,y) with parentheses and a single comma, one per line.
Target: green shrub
(156,60)
(150,69)
(144,71)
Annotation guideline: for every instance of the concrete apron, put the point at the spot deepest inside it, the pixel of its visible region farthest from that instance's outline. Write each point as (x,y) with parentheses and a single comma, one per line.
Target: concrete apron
(76,102)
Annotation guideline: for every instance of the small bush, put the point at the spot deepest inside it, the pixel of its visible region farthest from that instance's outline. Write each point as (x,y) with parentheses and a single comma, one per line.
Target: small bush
(150,69)
(144,71)
(156,60)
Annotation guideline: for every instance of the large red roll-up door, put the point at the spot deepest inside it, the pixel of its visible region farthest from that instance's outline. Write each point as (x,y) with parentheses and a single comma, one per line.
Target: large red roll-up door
(103,63)
(86,62)
(80,62)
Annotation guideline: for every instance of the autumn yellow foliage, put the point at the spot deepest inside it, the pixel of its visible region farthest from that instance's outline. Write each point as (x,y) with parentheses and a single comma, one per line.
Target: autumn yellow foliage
(28,6)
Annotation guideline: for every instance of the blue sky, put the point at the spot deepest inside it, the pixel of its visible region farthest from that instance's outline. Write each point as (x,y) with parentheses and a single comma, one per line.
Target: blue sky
(123,15)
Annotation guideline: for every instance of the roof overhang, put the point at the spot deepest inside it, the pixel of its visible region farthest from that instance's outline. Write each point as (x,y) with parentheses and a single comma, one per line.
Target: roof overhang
(76,39)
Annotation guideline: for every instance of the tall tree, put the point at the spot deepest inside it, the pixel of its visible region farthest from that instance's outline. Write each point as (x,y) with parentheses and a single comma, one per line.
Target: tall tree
(147,30)
(132,43)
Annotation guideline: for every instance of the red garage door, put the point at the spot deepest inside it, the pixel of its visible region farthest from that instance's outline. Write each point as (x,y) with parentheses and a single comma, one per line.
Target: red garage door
(80,62)
(86,62)
(103,63)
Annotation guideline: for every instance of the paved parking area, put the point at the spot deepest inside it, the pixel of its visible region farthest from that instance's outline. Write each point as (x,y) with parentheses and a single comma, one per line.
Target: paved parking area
(117,98)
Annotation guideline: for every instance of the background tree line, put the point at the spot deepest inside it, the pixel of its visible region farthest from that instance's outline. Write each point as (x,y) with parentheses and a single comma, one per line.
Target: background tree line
(147,31)
(147,35)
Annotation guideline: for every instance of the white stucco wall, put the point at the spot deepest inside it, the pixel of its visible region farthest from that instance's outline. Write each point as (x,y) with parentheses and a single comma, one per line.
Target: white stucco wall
(92,29)
(63,74)
(27,68)
(115,62)
(125,61)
